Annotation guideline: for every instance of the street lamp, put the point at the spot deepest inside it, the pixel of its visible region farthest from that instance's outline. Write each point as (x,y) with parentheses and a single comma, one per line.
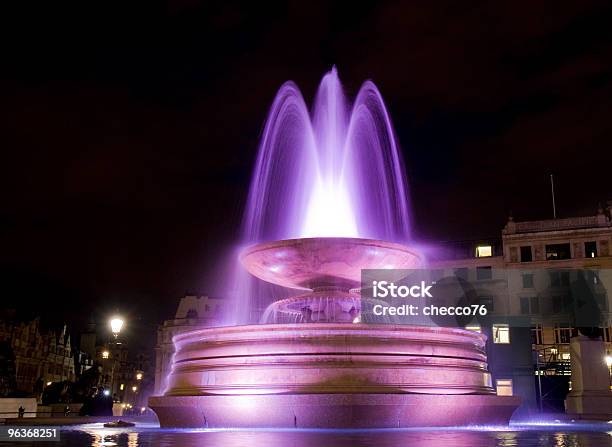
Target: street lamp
(134,388)
(105,354)
(116,324)
(609,361)
(138,376)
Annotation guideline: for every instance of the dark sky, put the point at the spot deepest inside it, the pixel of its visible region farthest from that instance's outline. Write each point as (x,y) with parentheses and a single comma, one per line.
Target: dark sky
(129,129)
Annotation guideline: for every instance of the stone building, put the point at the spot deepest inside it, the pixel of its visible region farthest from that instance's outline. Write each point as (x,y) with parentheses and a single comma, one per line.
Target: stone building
(40,356)
(531,274)
(193,312)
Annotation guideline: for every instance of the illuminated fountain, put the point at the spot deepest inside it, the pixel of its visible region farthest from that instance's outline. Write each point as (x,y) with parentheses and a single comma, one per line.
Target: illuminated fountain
(327,194)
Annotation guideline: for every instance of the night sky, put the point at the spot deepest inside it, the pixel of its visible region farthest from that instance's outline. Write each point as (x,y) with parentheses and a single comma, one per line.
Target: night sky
(129,130)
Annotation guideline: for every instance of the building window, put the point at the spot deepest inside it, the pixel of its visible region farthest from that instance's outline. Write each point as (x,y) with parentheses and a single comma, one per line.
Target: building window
(501,334)
(563,334)
(488,302)
(484,273)
(536,335)
(559,278)
(590,249)
(592,277)
(557,252)
(527,280)
(526,255)
(484,251)
(474,328)
(504,387)
(530,305)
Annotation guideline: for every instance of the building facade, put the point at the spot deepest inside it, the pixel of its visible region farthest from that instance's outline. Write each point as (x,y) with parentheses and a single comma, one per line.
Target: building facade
(542,280)
(40,357)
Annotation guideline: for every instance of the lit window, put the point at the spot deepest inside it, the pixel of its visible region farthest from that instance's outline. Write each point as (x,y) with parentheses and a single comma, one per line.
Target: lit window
(105,354)
(501,334)
(565,356)
(122,386)
(556,252)
(590,249)
(504,387)
(474,328)
(484,251)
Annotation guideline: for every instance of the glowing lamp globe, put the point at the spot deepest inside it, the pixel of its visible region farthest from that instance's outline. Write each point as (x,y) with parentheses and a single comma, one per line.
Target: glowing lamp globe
(116,325)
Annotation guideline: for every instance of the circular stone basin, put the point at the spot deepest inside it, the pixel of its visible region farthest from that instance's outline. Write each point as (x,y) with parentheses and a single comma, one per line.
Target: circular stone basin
(311,263)
(330,376)
(329,358)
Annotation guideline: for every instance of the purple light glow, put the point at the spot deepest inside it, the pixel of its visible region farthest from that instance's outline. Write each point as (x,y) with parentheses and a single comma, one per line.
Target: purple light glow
(337,174)
(334,173)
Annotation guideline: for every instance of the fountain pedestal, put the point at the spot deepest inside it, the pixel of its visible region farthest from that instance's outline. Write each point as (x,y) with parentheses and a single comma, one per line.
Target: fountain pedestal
(332,374)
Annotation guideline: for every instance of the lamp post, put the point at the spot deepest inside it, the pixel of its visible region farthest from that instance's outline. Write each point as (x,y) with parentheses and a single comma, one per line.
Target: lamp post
(116,324)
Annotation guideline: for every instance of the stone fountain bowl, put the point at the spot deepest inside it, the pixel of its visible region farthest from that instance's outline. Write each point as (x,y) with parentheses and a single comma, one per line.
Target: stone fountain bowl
(315,263)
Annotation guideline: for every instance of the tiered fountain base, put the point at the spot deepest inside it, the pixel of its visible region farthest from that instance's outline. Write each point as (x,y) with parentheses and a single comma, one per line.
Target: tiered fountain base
(333,411)
(330,376)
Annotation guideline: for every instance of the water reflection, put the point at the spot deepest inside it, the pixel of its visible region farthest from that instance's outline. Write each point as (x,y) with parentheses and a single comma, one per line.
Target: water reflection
(436,438)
